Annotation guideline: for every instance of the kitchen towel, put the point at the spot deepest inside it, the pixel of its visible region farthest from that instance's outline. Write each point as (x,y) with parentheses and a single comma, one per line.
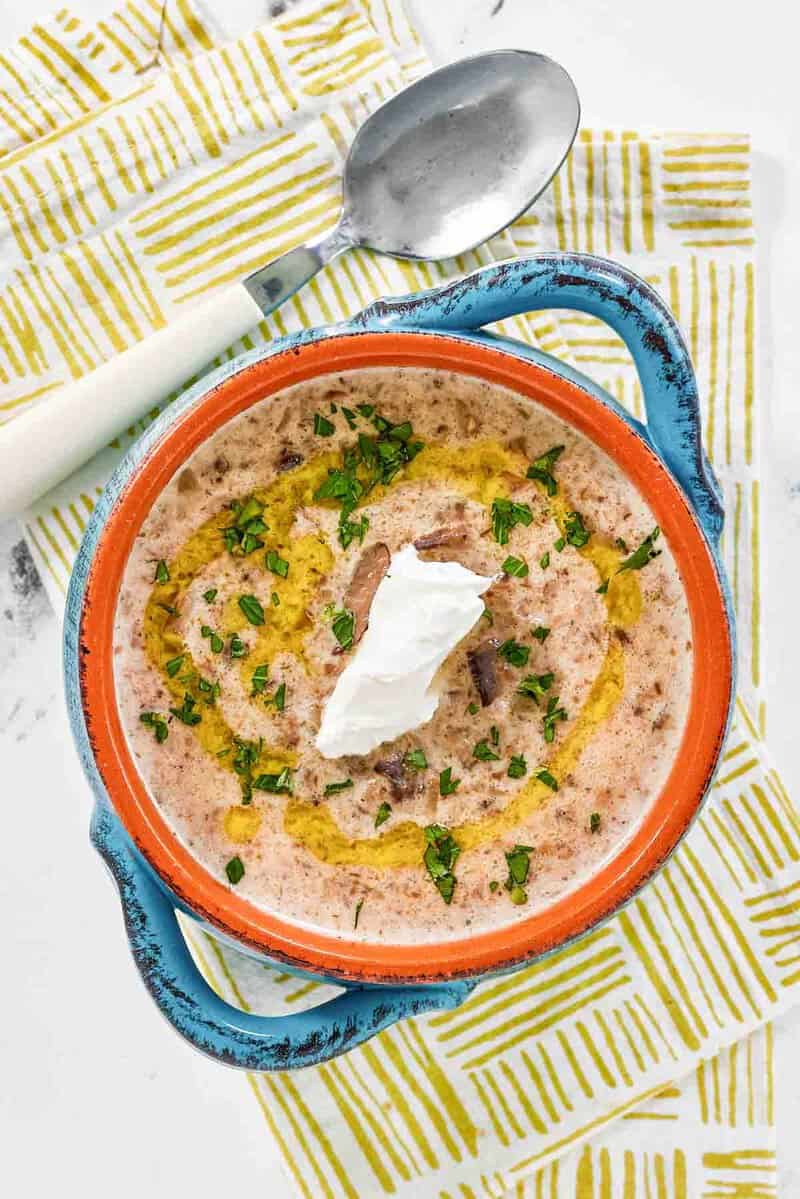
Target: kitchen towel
(147,159)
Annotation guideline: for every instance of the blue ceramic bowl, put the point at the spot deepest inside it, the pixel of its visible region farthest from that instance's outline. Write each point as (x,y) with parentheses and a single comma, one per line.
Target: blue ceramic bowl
(665,458)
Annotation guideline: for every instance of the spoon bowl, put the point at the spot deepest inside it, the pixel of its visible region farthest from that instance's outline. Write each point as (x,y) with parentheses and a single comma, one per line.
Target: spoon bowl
(455,158)
(438,169)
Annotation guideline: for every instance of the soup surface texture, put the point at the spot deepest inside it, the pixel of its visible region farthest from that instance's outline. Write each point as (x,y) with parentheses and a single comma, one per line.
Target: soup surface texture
(247,593)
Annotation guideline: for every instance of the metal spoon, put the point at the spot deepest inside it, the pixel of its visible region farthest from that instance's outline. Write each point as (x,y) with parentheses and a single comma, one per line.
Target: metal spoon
(435,171)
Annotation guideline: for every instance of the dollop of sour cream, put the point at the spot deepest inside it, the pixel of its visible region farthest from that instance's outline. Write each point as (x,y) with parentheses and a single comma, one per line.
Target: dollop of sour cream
(420,612)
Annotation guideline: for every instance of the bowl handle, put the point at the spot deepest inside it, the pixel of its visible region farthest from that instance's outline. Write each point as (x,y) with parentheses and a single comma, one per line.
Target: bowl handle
(619,298)
(214,1026)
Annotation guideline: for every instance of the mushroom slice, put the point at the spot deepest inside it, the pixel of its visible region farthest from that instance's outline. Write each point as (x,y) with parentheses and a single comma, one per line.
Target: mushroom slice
(393,768)
(370,569)
(445,535)
(187,481)
(465,418)
(288,460)
(481,662)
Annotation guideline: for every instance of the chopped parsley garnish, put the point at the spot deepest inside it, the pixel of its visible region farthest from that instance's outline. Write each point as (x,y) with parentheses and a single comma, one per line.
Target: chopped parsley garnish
(517,767)
(493,885)
(343,626)
(535,685)
(381,423)
(215,641)
(395,451)
(541,469)
(494,734)
(440,857)
(247,753)
(351,529)
(157,723)
(275,783)
(486,615)
(516,567)
(162,572)
(335,788)
(278,700)
(237,647)
(514,652)
(622,544)
(643,554)
(473,708)
(401,432)
(551,716)
(505,516)
(260,679)
(415,759)
(173,666)
(541,632)
(544,561)
(350,416)
(235,870)
(518,861)
(559,544)
(243,535)
(484,752)
(369,462)
(276,599)
(383,813)
(603,588)
(250,510)
(394,446)
(322,426)
(252,609)
(342,485)
(278,565)
(170,609)
(186,712)
(447,784)
(209,690)
(367,452)
(575,530)
(250,541)
(544,776)
(245,758)
(594,822)
(210,595)
(359,906)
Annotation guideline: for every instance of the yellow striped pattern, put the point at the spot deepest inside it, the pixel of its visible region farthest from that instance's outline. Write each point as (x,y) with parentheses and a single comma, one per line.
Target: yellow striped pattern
(141,165)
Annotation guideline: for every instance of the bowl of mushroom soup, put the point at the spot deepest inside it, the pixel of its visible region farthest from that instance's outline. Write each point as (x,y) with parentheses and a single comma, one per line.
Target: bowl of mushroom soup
(399,654)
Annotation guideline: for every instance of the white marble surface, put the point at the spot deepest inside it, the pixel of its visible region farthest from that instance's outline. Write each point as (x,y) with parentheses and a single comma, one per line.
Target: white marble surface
(97,1091)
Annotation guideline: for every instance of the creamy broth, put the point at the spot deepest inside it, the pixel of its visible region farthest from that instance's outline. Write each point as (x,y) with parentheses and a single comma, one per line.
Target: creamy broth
(232,692)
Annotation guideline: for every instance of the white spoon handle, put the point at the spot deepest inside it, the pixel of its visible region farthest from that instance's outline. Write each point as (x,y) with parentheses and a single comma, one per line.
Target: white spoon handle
(41,447)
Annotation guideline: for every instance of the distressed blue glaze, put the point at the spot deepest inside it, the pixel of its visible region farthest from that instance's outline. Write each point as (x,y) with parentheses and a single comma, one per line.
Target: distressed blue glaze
(619,298)
(459,310)
(215,1027)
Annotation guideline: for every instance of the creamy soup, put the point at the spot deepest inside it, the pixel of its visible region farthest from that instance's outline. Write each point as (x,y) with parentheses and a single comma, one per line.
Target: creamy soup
(248,591)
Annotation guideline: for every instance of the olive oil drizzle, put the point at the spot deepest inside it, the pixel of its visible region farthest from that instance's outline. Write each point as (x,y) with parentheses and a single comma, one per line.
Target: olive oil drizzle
(481,472)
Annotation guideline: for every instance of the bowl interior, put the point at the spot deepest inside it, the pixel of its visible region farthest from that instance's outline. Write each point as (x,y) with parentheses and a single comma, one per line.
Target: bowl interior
(662,826)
